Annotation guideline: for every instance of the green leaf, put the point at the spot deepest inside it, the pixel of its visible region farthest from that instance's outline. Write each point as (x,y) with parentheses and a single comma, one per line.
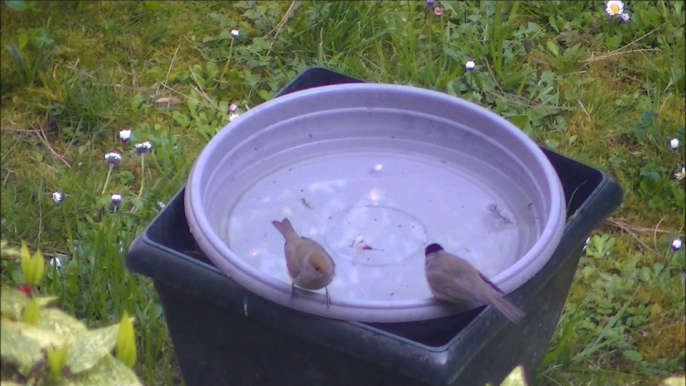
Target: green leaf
(674,381)
(41,38)
(613,42)
(552,47)
(126,341)
(151,5)
(57,358)
(224,107)
(22,40)
(107,372)
(633,355)
(212,70)
(571,94)
(648,186)
(12,302)
(515,378)
(224,35)
(90,347)
(31,313)
(22,344)
(16,5)
(60,322)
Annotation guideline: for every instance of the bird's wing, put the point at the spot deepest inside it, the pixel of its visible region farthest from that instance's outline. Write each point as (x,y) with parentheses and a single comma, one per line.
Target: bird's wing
(449,283)
(489,282)
(311,245)
(292,261)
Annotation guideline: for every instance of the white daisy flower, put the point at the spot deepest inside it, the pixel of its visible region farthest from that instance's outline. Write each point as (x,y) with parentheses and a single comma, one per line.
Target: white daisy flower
(680,175)
(614,7)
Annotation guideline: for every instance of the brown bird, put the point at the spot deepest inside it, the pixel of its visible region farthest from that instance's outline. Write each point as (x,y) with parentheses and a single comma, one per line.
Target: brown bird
(309,265)
(454,279)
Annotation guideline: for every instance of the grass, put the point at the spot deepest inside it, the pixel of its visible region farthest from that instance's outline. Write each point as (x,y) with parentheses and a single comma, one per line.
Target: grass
(607,94)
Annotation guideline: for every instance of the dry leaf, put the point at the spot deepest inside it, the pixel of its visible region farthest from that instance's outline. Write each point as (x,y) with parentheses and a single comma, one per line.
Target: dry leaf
(168,101)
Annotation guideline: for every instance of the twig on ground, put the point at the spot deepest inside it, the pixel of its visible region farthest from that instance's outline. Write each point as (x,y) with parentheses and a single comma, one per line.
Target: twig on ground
(619,51)
(277,30)
(627,229)
(171,64)
(42,135)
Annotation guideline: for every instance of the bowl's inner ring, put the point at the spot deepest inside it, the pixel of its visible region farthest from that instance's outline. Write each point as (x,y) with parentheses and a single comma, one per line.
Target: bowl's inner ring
(374,203)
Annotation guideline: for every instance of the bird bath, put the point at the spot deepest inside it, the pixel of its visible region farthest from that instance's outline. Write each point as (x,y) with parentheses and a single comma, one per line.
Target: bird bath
(374,173)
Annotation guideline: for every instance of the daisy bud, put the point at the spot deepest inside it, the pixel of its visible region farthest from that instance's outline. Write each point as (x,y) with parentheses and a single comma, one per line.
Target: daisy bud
(125,135)
(57,197)
(113,157)
(235,33)
(624,18)
(674,143)
(143,147)
(116,199)
(438,11)
(56,262)
(233,107)
(470,65)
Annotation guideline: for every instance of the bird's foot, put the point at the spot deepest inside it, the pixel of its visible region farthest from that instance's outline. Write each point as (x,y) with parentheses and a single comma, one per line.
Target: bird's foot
(327,298)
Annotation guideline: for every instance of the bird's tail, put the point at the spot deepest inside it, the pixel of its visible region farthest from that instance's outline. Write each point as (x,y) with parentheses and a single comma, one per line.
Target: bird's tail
(506,308)
(285,228)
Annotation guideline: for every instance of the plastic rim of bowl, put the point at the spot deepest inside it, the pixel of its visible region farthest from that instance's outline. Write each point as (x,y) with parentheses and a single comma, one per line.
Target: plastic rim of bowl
(348,309)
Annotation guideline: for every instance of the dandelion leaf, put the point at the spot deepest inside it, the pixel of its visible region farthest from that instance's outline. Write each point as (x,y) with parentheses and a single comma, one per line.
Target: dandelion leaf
(21,344)
(90,347)
(60,322)
(515,378)
(107,372)
(674,381)
(12,302)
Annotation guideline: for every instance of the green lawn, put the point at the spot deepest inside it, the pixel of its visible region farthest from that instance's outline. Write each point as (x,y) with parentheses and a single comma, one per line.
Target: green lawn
(575,80)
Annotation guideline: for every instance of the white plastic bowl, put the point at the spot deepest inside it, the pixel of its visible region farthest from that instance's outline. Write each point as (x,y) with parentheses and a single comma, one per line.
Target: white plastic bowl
(374,173)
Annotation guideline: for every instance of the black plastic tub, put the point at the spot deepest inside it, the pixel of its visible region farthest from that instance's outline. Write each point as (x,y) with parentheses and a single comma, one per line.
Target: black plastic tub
(225,335)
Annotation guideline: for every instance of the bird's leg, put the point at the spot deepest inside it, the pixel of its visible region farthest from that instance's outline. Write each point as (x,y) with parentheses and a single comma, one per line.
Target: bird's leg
(327,298)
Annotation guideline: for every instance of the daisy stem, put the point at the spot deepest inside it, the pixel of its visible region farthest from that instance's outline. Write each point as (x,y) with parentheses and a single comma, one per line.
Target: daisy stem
(228,60)
(471,81)
(140,192)
(107,180)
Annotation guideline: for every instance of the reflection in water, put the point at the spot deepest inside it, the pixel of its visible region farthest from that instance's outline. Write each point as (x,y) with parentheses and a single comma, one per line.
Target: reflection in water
(375,195)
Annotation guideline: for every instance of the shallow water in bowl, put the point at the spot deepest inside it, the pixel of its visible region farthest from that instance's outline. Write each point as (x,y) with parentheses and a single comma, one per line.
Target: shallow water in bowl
(375,206)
